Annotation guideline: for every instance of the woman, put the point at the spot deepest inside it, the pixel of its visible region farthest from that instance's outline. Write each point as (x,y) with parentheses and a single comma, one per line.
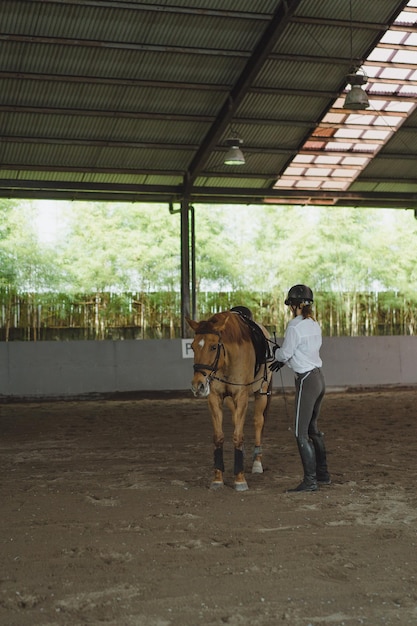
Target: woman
(301,352)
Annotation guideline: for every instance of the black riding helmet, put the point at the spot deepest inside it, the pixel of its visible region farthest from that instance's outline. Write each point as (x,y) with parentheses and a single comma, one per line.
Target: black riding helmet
(299,294)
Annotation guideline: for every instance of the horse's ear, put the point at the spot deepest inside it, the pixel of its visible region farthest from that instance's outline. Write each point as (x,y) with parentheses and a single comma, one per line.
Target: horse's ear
(192,323)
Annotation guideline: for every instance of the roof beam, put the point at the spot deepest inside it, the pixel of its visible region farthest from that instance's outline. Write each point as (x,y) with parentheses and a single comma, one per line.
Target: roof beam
(155,116)
(117,45)
(276,26)
(210,192)
(122,82)
(157,8)
(113,114)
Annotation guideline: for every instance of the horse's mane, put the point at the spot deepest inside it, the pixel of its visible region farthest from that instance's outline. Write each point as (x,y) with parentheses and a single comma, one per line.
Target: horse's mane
(234,331)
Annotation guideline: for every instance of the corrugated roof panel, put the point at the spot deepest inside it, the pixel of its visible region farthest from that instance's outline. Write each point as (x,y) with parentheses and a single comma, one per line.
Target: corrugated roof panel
(397,168)
(281,107)
(403,141)
(113,178)
(249,6)
(271,135)
(397,187)
(144,159)
(371,12)
(124,178)
(136,25)
(160,131)
(106,63)
(106,129)
(48,155)
(154,179)
(52,176)
(166,101)
(63,94)
(232,182)
(84,156)
(105,97)
(318,40)
(265,164)
(91,177)
(185,68)
(290,74)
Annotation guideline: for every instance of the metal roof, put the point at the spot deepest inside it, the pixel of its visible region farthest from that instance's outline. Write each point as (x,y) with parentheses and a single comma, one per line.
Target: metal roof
(133,101)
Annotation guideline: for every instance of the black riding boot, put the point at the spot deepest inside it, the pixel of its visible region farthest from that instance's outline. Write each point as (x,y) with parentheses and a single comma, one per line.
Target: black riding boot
(323,476)
(308,458)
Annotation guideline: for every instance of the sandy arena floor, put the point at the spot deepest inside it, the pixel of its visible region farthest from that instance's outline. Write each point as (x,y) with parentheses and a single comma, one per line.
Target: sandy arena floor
(107,518)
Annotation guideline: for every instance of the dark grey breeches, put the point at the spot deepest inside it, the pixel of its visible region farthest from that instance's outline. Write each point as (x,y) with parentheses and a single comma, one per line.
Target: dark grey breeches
(309,392)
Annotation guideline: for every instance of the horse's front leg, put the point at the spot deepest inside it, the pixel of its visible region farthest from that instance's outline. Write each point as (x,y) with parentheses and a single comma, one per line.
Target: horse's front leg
(261,405)
(216,410)
(258,420)
(239,415)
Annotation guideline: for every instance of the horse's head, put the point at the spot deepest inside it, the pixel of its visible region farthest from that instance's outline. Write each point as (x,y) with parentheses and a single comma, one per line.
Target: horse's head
(208,351)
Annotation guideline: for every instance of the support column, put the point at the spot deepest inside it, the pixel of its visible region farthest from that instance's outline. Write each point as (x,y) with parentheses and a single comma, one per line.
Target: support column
(185,268)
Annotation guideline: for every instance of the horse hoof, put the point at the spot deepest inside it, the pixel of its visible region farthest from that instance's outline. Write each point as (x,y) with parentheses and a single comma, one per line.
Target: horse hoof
(257,468)
(216,484)
(241,486)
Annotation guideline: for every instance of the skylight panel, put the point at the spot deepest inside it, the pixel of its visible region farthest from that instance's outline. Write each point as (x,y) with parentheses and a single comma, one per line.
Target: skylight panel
(329,160)
(406,56)
(348,133)
(358,161)
(303,158)
(412,39)
(380,55)
(376,134)
(391,71)
(395,73)
(404,107)
(318,171)
(393,37)
(407,17)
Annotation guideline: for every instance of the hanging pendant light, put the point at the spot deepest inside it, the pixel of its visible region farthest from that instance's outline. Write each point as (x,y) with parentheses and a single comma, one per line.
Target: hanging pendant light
(356,98)
(234,155)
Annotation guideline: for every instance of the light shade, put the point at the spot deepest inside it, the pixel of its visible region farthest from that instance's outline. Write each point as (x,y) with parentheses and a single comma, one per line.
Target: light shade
(356,98)
(234,155)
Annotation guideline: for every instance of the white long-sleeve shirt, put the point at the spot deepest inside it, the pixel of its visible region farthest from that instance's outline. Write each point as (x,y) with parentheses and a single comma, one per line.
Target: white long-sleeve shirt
(300,349)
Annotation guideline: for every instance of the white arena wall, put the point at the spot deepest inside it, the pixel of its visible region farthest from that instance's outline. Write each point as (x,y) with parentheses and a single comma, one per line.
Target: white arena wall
(60,370)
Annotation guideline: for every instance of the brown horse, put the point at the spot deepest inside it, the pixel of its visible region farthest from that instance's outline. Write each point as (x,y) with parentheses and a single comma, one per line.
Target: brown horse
(230,364)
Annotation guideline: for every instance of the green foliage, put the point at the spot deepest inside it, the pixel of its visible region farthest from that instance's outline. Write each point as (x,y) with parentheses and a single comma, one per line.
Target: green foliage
(359,262)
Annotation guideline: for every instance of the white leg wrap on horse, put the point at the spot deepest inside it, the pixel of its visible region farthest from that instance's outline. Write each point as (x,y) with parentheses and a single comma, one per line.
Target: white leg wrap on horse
(257,467)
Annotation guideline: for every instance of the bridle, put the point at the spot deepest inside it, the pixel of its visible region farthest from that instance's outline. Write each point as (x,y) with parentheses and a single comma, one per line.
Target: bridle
(201,367)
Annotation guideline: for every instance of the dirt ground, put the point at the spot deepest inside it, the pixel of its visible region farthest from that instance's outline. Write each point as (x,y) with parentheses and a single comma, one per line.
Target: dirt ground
(107,516)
